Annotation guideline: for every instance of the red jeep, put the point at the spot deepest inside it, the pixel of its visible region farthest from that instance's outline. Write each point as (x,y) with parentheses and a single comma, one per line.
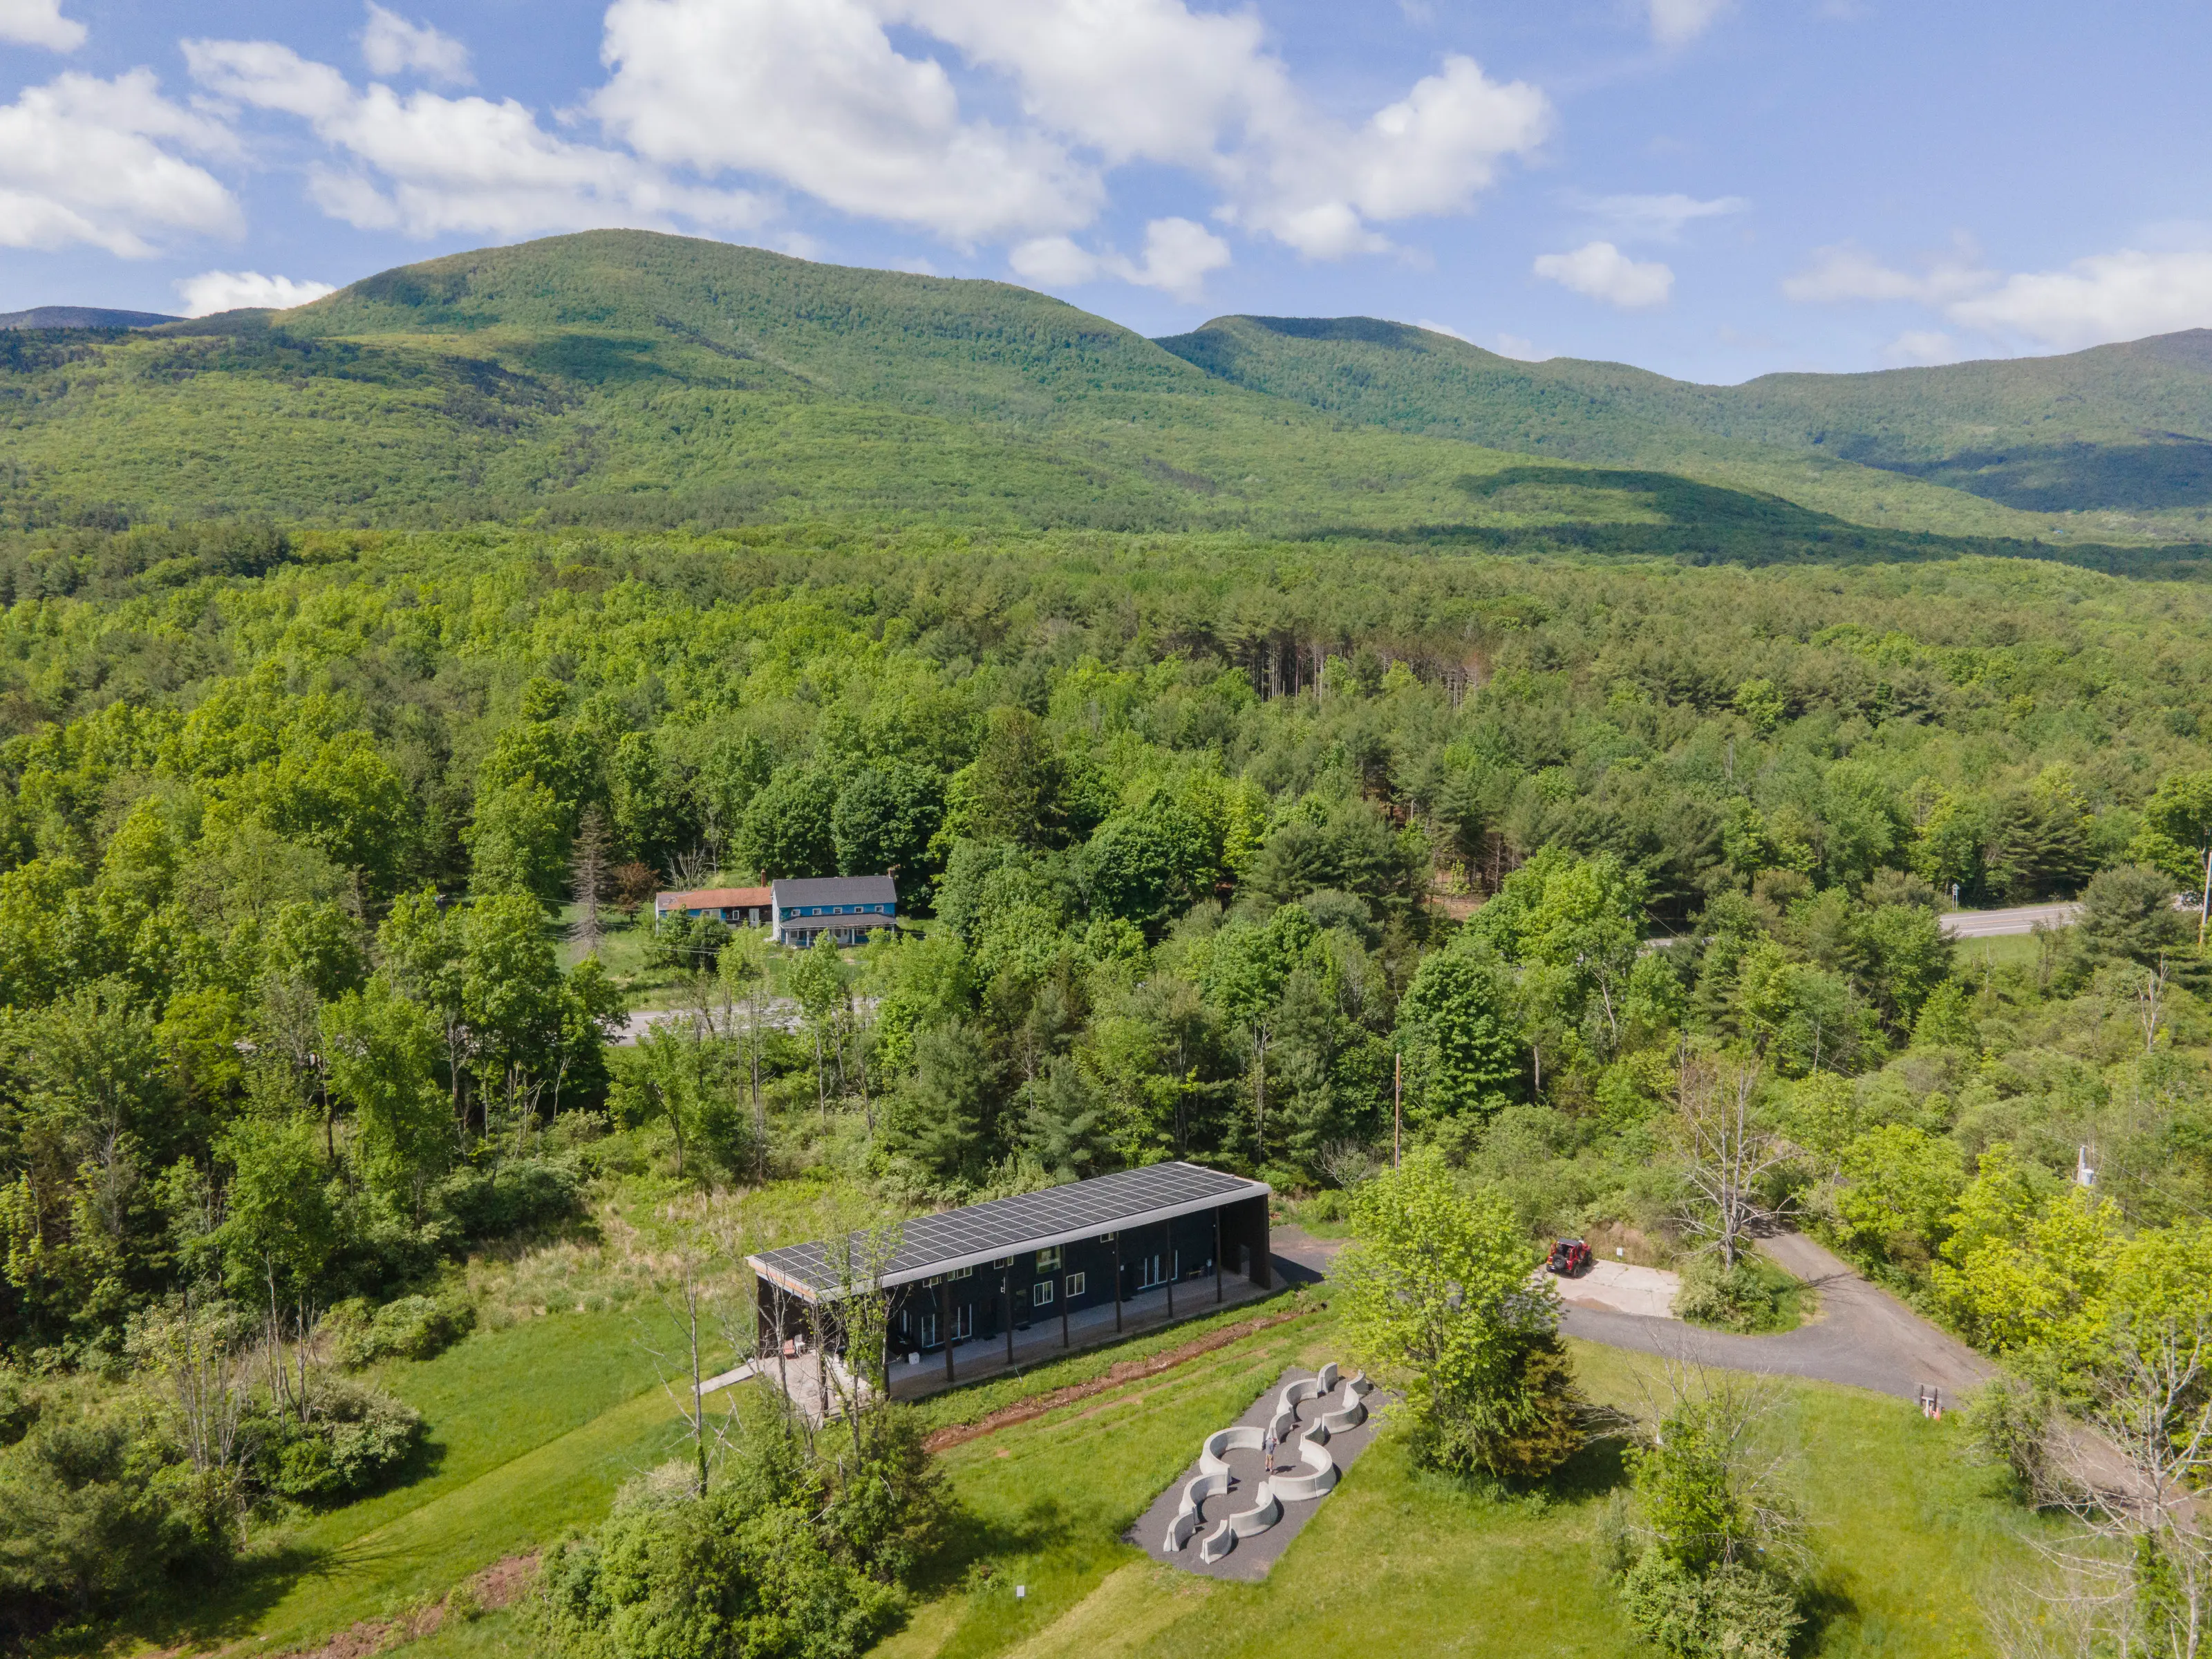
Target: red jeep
(1568,1257)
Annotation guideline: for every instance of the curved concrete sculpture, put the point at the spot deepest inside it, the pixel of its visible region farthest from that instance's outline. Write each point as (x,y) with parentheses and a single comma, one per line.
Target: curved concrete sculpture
(1315,1476)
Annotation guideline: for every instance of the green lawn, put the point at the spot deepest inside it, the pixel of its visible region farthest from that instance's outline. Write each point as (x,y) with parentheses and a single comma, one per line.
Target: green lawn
(539,1423)
(531,1428)
(1907,1530)
(2003,951)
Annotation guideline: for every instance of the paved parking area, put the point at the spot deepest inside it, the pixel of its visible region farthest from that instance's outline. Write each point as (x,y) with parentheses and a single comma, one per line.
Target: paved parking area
(1621,1287)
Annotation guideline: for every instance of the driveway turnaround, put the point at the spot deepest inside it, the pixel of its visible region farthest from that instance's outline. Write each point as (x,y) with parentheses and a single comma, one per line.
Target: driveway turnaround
(1861,1335)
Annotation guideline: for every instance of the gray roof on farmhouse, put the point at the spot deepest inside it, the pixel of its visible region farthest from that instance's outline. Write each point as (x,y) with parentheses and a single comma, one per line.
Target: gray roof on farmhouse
(1007,1226)
(835,890)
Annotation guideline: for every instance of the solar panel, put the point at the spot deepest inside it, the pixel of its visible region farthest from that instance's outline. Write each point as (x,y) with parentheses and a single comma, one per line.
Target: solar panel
(1007,1226)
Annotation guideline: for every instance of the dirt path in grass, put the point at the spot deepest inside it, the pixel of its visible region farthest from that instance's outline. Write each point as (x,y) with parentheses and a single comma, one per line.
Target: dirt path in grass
(1128,1371)
(1861,1335)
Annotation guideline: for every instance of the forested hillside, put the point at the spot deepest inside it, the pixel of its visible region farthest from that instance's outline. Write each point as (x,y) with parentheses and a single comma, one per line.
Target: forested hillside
(622,379)
(2109,441)
(1575,799)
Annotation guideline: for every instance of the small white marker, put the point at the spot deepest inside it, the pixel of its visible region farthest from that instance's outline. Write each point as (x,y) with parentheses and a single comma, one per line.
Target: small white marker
(1021,1592)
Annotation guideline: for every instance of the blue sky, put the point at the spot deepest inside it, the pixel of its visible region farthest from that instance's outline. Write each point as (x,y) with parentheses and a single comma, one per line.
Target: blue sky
(1713,189)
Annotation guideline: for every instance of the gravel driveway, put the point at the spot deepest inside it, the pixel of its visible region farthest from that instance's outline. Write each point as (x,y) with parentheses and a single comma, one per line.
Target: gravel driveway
(1861,1335)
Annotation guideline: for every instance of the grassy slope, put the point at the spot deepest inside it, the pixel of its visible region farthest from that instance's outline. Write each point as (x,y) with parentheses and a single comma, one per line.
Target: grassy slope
(2110,440)
(532,1427)
(1908,1532)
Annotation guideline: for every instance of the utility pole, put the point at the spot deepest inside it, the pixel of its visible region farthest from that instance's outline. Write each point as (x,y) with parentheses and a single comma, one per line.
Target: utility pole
(1397,1108)
(2204,903)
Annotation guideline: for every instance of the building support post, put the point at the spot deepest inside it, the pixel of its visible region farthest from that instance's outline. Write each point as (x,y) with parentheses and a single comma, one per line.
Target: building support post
(1220,1294)
(1117,1284)
(1066,1341)
(944,1323)
(1006,1294)
(1174,1270)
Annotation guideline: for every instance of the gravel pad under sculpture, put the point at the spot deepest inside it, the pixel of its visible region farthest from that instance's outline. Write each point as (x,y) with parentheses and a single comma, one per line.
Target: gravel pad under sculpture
(1225,1516)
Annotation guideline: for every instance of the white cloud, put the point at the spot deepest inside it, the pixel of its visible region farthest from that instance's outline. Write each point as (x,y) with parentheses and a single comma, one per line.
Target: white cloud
(1660,218)
(88,160)
(233,291)
(1434,327)
(2106,297)
(832,106)
(1847,271)
(1146,80)
(40,23)
(1677,23)
(817,97)
(1324,189)
(428,165)
(1178,254)
(391,45)
(1918,347)
(1604,272)
(1526,351)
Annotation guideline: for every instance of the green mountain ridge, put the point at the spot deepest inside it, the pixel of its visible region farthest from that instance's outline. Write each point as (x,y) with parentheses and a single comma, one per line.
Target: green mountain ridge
(628,379)
(2118,438)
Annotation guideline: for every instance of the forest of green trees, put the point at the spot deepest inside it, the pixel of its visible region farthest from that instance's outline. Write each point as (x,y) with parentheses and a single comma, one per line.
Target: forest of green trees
(321,855)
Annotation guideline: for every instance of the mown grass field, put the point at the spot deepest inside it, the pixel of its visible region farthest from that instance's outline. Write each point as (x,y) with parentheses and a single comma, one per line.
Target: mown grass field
(530,1430)
(1907,1531)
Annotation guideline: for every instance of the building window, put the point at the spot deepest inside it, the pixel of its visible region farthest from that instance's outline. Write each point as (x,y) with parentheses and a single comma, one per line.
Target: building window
(1041,1293)
(962,1272)
(963,1322)
(1048,1259)
(1075,1284)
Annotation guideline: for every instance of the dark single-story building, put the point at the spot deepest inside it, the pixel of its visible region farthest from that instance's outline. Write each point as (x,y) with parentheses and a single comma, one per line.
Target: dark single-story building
(847,908)
(986,1269)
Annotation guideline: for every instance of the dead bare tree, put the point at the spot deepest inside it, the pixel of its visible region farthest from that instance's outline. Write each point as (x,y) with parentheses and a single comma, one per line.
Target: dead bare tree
(695,1303)
(1726,1154)
(2150,1003)
(855,1321)
(2135,1579)
(589,878)
(194,1346)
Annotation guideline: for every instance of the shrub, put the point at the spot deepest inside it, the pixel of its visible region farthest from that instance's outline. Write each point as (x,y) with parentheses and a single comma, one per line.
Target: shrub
(1738,1298)
(674,1575)
(411,1328)
(353,1436)
(514,1195)
(92,1513)
(2010,1421)
(18,1408)
(1734,1610)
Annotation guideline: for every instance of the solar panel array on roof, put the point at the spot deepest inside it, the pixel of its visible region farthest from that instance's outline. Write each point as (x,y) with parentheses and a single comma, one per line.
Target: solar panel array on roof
(1005,1226)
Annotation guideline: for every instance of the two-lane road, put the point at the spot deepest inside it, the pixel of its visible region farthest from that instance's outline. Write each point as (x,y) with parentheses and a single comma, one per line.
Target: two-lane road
(2020,918)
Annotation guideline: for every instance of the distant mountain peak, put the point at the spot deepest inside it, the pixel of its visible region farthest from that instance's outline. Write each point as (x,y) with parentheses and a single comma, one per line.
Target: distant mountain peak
(82,316)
